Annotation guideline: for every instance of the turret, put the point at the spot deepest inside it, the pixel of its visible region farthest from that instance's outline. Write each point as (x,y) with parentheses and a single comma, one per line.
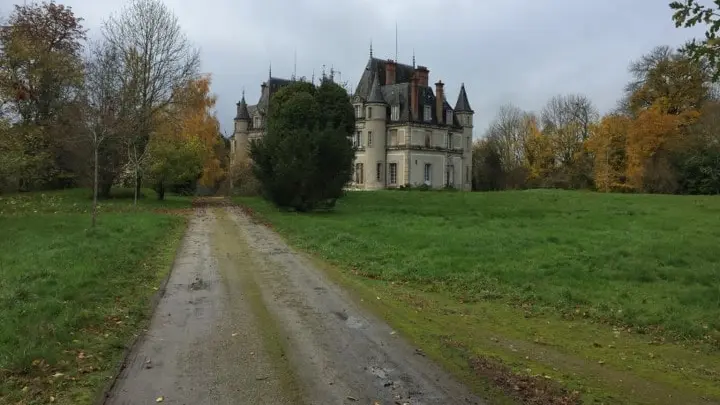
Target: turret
(465,113)
(242,123)
(374,137)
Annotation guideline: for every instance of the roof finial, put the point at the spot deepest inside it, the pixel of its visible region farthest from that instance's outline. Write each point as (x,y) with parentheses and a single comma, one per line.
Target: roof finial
(413,57)
(243,93)
(270,72)
(396,42)
(371,54)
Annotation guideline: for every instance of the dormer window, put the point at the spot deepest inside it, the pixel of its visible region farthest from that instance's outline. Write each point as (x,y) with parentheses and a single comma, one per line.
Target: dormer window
(358,111)
(395,113)
(256,122)
(428,113)
(448,117)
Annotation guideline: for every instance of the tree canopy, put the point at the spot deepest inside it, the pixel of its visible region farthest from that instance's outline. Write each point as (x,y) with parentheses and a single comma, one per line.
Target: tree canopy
(305,158)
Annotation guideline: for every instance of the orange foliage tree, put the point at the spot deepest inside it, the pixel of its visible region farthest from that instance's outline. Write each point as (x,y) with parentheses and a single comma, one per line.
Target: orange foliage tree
(652,139)
(198,120)
(607,144)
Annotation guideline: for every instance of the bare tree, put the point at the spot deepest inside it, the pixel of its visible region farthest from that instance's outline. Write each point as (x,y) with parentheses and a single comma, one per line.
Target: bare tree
(508,131)
(158,58)
(104,98)
(567,119)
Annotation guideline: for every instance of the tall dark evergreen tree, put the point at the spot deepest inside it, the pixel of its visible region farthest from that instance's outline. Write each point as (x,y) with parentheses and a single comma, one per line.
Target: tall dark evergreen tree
(306,157)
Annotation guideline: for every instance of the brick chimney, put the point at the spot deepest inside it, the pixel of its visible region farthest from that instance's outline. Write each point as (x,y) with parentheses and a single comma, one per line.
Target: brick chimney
(390,69)
(423,74)
(439,101)
(414,95)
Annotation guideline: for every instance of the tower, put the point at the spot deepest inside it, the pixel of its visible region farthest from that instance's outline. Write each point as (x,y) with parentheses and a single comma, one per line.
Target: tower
(465,116)
(375,126)
(241,133)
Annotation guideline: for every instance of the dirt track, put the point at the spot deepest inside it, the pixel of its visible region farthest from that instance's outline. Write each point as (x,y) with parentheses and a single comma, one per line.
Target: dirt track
(245,320)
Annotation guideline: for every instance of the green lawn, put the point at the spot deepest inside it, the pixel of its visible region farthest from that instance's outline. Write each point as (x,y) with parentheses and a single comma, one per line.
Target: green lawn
(644,264)
(71,297)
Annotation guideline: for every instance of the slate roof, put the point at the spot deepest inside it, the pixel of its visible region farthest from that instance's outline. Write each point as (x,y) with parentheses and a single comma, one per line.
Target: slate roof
(398,94)
(376,95)
(242,110)
(462,105)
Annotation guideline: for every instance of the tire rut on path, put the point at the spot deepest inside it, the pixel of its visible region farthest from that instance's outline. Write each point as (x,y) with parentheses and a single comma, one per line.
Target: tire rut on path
(245,320)
(344,353)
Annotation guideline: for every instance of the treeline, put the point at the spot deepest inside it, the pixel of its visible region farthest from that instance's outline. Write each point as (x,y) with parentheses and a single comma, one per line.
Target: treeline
(662,138)
(129,108)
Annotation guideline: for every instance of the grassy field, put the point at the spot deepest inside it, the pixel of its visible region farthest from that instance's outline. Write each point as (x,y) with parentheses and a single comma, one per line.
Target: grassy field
(71,297)
(616,296)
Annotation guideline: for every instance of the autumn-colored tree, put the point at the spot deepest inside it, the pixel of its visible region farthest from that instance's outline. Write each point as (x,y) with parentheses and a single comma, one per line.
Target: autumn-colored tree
(653,137)
(539,154)
(158,59)
(188,129)
(40,74)
(668,80)
(607,144)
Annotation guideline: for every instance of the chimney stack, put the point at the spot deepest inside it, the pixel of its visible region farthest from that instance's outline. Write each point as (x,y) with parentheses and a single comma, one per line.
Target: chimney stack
(440,101)
(414,95)
(390,69)
(423,75)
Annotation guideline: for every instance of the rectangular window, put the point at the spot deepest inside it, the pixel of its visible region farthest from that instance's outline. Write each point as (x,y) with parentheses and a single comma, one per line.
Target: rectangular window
(395,113)
(369,139)
(378,172)
(369,114)
(393,173)
(449,118)
(357,140)
(358,111)
(428,113)
(359,178)
(428,171)
(449,141)
(256,122)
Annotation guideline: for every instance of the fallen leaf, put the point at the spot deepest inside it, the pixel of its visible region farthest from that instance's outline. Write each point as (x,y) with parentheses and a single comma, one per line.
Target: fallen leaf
(234,334)
(25,388)
(57,375)
(52,399)
(159,399)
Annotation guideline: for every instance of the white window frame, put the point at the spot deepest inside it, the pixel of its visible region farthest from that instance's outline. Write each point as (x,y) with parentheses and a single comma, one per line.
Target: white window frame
(393,173)
(428,113)
(395,113)
(358,111)
(427,174)
(256,121)
(369,113)
(357,139)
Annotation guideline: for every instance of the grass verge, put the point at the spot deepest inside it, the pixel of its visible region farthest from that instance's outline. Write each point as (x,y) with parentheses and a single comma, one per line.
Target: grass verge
(72,297)
(611,296)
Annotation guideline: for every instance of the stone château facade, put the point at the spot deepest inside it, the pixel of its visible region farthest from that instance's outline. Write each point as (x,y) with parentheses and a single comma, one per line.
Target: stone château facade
(406,133)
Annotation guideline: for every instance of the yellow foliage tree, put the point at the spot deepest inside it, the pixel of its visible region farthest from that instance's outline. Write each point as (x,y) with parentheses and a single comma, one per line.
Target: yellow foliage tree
(196,120)
(652,138)
(539,154)
(607,144)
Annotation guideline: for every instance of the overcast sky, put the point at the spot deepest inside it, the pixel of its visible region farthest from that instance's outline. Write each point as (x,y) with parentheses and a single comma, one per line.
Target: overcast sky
(505,51)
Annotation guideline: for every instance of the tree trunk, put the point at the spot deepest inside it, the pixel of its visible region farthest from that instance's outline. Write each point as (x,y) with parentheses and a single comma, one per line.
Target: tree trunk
(95,186)
(138,184)
(160,191)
